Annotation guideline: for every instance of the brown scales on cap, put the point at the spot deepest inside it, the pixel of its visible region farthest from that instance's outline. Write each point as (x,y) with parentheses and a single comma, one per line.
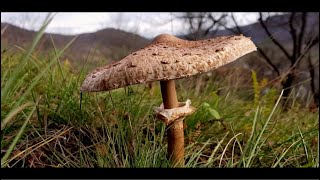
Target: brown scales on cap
(166,58)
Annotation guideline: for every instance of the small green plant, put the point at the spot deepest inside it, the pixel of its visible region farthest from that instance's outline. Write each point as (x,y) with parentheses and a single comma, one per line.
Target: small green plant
(212,108)
(265,100)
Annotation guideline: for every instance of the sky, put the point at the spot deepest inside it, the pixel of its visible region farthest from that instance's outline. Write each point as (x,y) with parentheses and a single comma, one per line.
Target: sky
(147,24)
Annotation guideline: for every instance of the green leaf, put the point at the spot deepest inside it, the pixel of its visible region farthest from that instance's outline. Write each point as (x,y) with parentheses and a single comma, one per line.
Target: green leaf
(206,105)
(214,113)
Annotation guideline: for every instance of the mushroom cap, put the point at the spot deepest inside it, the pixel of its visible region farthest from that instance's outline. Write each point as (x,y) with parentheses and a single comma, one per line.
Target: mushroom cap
(168,57)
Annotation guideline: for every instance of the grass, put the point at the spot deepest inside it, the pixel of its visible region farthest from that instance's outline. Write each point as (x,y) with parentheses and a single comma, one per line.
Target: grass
(43,124)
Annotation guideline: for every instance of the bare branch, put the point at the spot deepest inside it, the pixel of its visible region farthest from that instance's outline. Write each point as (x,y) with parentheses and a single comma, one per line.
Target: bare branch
(310,44)
(201,24)
(272,38)
(264,55)
(236,23)
(213,27)
(314,41)
(268,60)
(214,22)
(294,38)
(302,31)
(312,84)
(238,31)
(230,29)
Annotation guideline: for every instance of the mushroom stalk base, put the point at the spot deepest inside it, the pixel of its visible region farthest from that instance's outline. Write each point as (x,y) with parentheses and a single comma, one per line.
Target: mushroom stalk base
(173,118)
(175,129)
(176,143)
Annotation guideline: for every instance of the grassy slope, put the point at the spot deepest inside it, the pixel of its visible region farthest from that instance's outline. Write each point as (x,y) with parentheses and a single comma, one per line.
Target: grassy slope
(42,123)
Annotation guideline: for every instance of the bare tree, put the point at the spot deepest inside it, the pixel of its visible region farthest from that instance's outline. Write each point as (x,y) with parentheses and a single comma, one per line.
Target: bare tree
(200,24)
(302,41)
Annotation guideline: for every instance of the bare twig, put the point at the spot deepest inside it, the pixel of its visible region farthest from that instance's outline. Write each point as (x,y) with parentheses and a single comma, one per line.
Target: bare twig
(302,31)
(294,39)
(276,42)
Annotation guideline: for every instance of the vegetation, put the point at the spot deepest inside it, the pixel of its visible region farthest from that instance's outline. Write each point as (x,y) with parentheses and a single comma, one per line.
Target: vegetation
(46,122)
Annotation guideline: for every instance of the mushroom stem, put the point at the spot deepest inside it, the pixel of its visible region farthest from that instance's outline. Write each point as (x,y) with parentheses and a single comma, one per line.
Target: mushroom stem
(175,130)
(169,94)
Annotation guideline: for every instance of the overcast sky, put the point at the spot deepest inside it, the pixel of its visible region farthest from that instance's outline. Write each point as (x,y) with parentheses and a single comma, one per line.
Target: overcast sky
(144,24)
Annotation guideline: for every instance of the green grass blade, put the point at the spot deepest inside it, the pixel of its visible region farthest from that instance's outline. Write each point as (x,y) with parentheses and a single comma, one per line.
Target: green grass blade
(16,139)
(253,151)
(283,154)
(10,82)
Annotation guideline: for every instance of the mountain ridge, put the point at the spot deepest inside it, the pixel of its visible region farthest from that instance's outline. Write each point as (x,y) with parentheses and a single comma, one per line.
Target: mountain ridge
(100,44)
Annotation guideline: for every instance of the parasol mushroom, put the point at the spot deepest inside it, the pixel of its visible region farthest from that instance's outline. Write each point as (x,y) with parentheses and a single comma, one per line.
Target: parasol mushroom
(165,59)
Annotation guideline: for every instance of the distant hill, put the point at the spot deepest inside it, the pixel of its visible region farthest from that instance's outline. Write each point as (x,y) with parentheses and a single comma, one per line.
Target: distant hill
(107,43)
